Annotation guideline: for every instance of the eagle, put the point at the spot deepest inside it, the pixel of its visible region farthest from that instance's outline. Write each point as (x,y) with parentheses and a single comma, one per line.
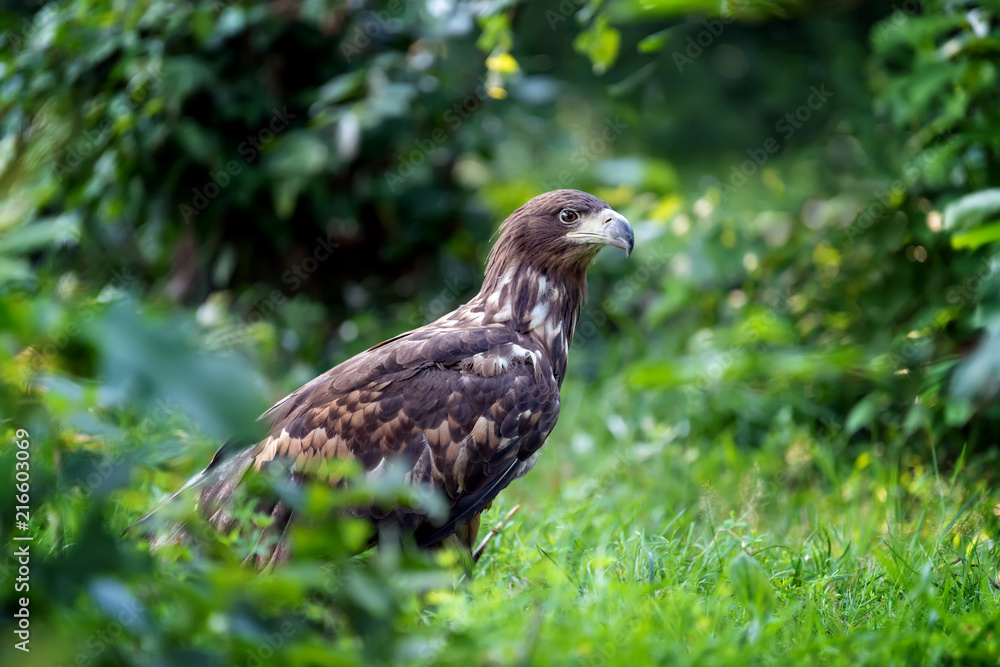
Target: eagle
(463,404)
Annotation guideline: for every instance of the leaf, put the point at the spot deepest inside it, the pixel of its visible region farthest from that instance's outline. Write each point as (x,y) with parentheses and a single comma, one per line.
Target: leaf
(117,602)
(153,361)
(970,210)
(286,193)
(977,377)
(600,43)
(298,154)
(980,236)
(14,270)
(861,415)
(43,233)
(958,412)
(496,34)
(342,87)
(655,42)
(231,21)
(988,297)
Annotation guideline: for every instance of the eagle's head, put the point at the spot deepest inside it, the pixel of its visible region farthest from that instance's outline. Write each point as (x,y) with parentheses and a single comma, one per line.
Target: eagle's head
(559,231)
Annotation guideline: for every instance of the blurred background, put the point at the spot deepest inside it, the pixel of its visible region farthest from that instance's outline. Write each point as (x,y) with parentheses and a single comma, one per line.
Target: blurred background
(203,204)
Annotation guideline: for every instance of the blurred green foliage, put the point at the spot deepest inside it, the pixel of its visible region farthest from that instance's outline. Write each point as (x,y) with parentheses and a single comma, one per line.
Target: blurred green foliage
(778,434)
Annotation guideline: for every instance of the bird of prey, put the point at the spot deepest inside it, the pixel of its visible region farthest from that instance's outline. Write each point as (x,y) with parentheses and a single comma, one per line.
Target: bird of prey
(464,403)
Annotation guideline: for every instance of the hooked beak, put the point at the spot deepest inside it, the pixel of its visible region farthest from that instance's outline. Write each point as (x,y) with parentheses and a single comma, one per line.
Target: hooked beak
(606,227)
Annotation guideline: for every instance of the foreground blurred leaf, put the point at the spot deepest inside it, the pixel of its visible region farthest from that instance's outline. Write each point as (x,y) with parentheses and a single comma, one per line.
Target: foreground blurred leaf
(977,237)
(153,359)
(600,42)
(971,209)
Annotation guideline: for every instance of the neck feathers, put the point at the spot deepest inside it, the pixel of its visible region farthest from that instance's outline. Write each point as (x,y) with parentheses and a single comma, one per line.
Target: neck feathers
(540,304)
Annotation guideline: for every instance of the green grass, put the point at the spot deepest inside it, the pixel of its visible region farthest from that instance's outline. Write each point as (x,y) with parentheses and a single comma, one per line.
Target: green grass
(644,543)
(640,539)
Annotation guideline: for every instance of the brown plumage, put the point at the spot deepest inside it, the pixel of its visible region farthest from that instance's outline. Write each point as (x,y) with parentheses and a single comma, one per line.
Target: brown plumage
(463,403)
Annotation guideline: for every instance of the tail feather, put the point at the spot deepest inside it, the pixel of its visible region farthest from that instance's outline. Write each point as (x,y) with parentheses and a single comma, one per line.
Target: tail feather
(216,484)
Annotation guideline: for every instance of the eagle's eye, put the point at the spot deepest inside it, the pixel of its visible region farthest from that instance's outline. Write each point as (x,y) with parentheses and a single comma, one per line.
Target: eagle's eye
(568,216)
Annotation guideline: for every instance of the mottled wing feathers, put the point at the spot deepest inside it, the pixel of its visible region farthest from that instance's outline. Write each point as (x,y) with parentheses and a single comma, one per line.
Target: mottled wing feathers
(463,409)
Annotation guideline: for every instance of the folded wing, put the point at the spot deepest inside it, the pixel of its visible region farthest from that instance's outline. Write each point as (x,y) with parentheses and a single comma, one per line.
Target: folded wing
(462,410)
